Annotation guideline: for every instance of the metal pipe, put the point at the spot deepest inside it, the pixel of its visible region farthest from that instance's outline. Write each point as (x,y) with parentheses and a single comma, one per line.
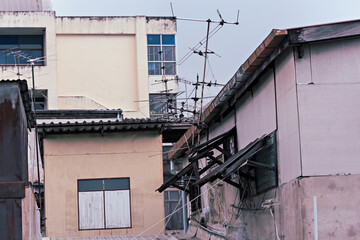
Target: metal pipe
(203,81)
(315,220)
(184,209)
(36,136)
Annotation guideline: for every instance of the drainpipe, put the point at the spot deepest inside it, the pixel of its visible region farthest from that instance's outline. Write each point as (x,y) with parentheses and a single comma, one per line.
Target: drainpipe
(184,209)
(183,197)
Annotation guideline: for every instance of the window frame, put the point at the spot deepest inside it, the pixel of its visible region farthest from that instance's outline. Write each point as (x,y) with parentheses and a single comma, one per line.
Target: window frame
(19,48)
(104,200)
(161,97)
(162,60)
(167,203)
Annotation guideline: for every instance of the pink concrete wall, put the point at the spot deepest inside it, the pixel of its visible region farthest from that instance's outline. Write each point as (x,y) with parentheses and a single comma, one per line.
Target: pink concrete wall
(255,111)
(288,141)
(328,99)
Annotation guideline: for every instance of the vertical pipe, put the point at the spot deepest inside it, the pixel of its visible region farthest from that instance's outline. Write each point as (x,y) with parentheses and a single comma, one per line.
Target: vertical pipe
(315,220)
(184,211)
(36,138)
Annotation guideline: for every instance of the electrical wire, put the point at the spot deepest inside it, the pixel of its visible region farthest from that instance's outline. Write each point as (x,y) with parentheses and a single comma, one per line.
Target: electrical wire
(195,198)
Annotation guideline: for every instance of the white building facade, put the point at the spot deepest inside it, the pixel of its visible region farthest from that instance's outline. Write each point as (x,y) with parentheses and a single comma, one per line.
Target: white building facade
(92,62)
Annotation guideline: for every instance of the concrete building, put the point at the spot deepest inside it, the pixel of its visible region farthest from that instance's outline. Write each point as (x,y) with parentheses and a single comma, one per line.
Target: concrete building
(19,213)
(279,152)
(100,177)
(91,62)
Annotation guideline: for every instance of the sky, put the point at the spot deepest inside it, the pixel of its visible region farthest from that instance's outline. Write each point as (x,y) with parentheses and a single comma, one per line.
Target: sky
(233,44)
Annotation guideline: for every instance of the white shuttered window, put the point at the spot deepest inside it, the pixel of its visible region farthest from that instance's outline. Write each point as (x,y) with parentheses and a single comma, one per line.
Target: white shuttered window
(104,203)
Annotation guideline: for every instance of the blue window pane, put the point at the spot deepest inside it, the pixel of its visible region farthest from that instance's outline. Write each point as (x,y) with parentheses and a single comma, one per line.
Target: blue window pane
(37,54)
(168,39)
(170,68)
(2,57)
(174,195)
(8,42)
(117,184)
(169,53)
(11,58)
(153,39)
(166,195)
(90,185)
(154,53)
(24,56)
(30,42)
(154,68)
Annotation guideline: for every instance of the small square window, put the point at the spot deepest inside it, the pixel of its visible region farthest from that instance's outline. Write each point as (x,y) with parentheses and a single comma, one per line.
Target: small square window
(104,203)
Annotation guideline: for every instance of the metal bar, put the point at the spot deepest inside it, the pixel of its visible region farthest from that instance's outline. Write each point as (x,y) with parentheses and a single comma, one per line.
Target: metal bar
(203,81)
(36,137)
(258,165)
(223,151)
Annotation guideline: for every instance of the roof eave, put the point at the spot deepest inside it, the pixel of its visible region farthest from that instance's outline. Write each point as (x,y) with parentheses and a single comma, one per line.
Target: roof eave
(239,81)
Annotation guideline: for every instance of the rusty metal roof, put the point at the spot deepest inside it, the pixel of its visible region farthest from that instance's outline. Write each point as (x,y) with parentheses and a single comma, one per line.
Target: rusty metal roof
(24,91)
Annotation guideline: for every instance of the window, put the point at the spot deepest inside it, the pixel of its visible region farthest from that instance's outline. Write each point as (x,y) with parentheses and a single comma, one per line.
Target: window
(161,54)
(173,202)
(104,203)
(161,104)
(18,49)
(40,99)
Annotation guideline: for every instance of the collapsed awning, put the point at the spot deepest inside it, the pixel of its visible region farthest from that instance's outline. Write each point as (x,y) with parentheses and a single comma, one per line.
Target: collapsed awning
(233,163)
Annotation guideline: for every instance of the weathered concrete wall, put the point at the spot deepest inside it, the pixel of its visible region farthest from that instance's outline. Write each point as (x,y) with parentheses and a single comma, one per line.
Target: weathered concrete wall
(337,206)
(30,216)
(45,76)
(328,98)
(109,54)
(337,199)
(86,156)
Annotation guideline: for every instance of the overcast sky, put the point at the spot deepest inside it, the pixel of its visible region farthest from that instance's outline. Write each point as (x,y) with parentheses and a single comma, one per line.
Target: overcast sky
(234,43)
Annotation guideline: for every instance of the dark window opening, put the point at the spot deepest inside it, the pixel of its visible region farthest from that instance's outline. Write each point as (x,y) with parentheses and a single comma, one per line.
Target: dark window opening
(161,104)
(19,49)
(173,203)
(40,99)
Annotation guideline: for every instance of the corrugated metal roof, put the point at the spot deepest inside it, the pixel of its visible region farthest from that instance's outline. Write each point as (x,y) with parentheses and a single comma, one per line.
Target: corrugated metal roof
(25,5)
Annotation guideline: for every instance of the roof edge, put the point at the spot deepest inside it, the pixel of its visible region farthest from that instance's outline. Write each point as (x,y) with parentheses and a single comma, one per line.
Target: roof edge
(246,70)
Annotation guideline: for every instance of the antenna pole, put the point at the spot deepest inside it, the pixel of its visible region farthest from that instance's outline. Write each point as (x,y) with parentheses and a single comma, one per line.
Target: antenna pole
(203,82)
(36,134)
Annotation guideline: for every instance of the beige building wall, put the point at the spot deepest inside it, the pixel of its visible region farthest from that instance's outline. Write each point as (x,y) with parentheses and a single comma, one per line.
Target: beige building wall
(86,156)
(24,23)
(104,60)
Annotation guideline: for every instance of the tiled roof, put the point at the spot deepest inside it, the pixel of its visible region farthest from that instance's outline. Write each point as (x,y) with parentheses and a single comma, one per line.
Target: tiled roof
(100,125)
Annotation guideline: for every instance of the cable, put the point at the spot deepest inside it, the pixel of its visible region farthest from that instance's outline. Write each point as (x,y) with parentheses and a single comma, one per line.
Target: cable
(218,182)
(276,232)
